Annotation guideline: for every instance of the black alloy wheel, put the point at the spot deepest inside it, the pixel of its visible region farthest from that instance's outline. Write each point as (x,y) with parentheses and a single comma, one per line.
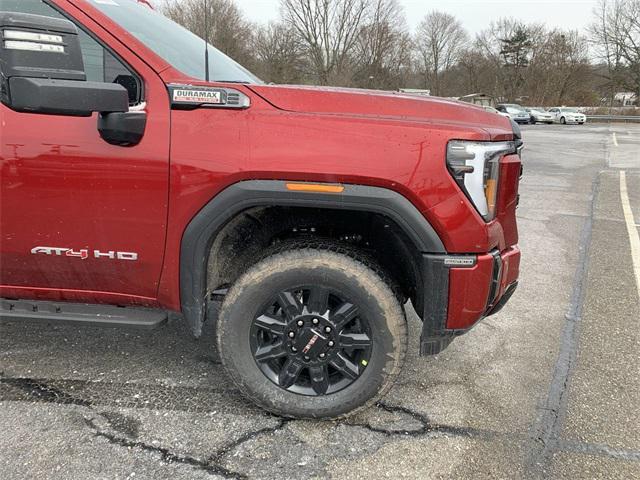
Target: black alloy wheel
(311,341)
(313,330)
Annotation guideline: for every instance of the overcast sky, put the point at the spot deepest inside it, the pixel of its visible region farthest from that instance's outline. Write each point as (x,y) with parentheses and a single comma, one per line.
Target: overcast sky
(474,14)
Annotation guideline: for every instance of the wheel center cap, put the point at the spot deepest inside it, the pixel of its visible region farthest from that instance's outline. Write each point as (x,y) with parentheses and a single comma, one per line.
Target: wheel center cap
(311,342)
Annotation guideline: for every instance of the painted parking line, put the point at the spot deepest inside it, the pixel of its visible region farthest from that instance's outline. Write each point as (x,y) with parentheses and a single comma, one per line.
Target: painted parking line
(615,139)
(634,237)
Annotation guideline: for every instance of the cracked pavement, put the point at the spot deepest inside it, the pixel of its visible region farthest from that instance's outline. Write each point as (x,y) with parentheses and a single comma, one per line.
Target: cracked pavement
(548,388)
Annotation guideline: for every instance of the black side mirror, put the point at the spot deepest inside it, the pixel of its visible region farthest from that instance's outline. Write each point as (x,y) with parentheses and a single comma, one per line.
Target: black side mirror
(42,71)
(122,129)
(66,97)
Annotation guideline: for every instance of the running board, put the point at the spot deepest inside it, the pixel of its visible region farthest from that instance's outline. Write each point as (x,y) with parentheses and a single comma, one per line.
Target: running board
(80,314)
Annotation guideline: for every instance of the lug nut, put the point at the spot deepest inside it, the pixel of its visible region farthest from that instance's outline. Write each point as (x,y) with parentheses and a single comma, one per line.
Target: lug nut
(306,358)
(315,321)
(300,323)
(292,334)
(331,343)
(294,349)
(322,355)
(327,329)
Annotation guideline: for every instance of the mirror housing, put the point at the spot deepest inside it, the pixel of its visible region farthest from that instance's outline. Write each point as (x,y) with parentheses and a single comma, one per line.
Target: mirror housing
(66,97)
(42,70)
(122,129)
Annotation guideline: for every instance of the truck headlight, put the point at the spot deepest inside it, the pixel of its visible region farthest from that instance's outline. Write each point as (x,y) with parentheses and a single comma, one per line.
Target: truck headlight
(476,166)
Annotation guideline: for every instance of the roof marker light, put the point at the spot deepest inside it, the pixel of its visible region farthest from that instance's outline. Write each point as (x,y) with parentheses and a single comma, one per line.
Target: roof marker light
(32,46)
(31,36)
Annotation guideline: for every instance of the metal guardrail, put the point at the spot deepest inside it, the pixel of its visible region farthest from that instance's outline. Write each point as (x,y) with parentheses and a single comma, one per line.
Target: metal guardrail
(614,118)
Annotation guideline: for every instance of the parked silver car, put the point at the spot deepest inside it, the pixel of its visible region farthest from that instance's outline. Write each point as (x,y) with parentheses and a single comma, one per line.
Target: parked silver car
(568,115)
(515,112)
(539,115)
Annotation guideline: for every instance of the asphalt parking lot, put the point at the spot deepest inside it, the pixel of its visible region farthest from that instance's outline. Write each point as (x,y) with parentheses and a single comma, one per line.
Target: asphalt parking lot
(548,388)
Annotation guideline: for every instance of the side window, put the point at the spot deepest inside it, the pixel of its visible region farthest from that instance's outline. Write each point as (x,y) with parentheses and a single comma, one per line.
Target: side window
(99,63)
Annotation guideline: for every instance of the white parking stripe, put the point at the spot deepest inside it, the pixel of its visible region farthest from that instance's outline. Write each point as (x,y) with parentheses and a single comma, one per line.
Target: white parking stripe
(634,237)
(615,139)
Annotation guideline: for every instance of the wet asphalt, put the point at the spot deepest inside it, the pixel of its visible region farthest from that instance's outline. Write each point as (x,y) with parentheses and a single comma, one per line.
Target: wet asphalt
(548,388)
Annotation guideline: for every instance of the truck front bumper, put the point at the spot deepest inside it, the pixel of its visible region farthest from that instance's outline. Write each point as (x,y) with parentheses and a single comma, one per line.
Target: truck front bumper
(461,290)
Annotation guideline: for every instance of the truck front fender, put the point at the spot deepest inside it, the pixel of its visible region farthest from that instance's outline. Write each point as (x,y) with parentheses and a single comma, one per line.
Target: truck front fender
(201,231)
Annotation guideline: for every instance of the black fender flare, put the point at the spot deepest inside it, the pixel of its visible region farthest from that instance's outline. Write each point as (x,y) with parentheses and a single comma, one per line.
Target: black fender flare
(198,237)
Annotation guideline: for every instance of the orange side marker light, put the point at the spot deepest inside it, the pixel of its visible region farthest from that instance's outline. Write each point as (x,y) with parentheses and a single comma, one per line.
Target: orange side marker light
(315,187)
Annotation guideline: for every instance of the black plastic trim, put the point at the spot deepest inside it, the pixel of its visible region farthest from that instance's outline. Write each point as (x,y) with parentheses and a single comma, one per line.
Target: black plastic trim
(81,313)
(496,276)
(435,304)
(66,97)
(122,129)
(517,131)
(435,336)
(200,233)
(508,293)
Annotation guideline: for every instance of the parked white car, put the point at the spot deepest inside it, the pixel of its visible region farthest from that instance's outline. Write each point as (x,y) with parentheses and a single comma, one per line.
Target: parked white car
(568,115)
(539,115)
(514,111)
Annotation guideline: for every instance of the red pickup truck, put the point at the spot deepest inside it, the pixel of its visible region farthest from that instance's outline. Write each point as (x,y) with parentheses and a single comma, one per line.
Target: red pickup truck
(142,178)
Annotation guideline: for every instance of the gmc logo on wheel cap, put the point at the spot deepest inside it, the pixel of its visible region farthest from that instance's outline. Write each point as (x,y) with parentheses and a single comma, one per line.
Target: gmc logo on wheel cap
(313,340)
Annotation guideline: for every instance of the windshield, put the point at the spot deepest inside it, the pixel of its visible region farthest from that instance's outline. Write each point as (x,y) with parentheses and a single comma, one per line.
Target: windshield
(570,110)
(175,44)
(515,110)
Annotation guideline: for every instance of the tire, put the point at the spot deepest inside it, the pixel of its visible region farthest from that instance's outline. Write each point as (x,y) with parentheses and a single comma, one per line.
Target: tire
(563,121)
(272,293)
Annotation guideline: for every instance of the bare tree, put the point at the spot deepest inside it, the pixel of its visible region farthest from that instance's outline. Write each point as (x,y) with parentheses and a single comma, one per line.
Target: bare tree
(329,30)
(616,33)
(559,71)
(382,53)
(475,72)
(229,31)
(366,43)
(280,54)
(510,45)
(440,40)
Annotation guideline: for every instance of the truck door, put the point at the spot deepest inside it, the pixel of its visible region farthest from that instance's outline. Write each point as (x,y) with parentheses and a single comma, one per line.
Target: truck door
(82,219)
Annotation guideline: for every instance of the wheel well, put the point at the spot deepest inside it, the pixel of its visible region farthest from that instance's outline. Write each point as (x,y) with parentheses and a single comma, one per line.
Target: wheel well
(243,239)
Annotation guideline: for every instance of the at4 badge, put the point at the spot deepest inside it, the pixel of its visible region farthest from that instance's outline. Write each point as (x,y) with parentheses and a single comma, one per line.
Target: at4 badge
(84,253)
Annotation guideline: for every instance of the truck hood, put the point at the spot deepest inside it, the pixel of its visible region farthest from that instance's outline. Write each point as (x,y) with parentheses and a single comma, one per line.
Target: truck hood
(374,103)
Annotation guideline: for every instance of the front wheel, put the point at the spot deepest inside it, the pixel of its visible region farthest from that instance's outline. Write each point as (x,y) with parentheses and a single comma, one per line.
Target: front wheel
(314,331)
(563,121)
